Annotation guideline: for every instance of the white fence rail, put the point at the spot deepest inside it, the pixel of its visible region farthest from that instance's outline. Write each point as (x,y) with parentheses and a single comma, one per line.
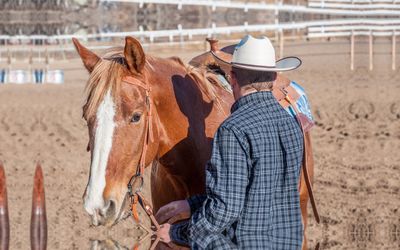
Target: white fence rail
(351,28)
(358,1)
(340,10)
(180,32)
(350,6)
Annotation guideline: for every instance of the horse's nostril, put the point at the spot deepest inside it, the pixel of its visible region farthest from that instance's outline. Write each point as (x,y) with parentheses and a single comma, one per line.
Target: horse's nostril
(110,212)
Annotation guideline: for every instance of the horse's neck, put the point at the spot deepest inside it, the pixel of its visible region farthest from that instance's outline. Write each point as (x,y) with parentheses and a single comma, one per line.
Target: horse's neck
(188,119)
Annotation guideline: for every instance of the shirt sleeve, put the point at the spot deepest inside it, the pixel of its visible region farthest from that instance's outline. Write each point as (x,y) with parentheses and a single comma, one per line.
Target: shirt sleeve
(179,233)
(226,184)
(213,241)
(196,201)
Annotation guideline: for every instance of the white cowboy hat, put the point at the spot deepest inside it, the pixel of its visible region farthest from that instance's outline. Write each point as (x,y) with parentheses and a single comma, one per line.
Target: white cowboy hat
(256,54)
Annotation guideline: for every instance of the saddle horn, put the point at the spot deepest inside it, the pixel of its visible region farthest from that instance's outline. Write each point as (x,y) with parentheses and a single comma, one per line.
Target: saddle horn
(213,44)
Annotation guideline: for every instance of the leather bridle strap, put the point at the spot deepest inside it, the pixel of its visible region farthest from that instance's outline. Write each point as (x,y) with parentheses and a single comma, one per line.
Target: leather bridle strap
(148,136)
(136,196)
(305,160)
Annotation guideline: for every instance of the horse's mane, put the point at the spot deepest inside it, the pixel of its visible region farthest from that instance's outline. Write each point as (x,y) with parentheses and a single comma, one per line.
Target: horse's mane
(205,79)
(111,68)
(106,76)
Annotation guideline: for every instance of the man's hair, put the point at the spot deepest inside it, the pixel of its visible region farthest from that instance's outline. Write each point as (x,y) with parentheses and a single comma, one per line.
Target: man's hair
(259,80)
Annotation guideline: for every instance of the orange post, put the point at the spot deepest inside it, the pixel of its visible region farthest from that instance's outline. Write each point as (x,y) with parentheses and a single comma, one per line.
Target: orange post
(4,218)
(38,217)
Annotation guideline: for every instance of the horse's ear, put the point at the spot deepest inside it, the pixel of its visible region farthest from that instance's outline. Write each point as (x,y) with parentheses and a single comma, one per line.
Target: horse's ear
(134,55)
(89,58)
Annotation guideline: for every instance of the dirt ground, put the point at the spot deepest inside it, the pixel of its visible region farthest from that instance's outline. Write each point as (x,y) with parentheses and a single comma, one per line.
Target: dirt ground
(356,143)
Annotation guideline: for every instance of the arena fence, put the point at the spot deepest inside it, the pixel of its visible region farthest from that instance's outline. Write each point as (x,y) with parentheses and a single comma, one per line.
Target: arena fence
(372,9)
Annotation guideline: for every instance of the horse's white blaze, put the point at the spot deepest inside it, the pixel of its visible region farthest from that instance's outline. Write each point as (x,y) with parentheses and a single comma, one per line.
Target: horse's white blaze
(105,126)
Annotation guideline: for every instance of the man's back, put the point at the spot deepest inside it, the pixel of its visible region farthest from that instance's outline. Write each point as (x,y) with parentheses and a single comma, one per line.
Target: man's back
(253,174)
(274,148)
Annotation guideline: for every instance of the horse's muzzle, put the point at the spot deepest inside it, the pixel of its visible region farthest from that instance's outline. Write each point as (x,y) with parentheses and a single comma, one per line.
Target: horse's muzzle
(104,216)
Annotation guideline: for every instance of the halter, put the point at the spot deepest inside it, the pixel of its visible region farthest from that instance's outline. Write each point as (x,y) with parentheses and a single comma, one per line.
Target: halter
(135,195)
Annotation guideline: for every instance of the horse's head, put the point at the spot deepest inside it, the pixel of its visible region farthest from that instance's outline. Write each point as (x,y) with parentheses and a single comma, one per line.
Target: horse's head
(116,114)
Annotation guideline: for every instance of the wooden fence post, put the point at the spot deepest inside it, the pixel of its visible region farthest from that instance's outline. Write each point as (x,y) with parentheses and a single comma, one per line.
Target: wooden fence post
(38,216)
(4,218)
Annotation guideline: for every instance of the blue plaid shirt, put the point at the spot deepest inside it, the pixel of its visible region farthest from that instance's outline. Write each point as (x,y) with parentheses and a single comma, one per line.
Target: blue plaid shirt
(251,181)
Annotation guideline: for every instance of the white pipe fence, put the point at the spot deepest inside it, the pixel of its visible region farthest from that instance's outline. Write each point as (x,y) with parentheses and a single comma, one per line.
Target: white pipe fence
(355,33)
(322,4)
(370,27)
(180,32)
(246,6)
(358,1)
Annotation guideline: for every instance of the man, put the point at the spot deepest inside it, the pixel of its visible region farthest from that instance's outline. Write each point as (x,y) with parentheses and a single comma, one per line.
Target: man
(252,177)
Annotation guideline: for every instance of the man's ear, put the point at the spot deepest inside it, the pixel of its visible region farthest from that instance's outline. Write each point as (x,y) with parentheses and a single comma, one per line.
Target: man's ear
(89,58)
(233,79)
(134,55)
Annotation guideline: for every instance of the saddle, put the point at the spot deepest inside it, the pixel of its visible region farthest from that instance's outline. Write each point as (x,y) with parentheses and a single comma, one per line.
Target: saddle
(287,96)
(282,87)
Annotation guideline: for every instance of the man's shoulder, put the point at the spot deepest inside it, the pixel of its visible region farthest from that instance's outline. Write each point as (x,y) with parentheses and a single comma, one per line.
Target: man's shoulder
(241,122)
(236,122)
(231,128)
(252,116)
(230,124)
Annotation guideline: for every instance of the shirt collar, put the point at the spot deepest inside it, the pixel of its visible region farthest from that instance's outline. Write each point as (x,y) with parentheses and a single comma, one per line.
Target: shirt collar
(253,99)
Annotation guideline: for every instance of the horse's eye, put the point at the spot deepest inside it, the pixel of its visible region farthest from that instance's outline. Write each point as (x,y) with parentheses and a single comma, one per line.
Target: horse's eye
(136,117)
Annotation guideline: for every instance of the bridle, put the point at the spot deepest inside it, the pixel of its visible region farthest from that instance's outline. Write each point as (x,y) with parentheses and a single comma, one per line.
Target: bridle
(136,196)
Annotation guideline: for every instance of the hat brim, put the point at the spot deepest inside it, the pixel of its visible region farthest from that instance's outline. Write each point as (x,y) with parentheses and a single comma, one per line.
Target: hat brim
(284,64)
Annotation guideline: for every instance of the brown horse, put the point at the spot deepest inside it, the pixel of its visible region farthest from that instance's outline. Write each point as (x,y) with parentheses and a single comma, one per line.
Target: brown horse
(186,111)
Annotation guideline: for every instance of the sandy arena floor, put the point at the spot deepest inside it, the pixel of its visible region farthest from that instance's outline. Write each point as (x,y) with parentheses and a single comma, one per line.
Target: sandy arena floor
(356,144)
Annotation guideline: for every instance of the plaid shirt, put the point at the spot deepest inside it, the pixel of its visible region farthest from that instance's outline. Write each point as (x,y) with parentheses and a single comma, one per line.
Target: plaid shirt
(251,182)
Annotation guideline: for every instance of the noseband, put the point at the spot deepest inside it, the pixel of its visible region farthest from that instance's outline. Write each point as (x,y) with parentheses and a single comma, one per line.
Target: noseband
(136,195)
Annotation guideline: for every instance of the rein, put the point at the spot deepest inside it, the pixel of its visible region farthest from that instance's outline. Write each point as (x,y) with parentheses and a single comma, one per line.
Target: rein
(136,195)
(305,126)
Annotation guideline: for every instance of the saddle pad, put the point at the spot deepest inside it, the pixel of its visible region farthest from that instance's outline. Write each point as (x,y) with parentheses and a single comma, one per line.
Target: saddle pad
(294,90)
(302,102)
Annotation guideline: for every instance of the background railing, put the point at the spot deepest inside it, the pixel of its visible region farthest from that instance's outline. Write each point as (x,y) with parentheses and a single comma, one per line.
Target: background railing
(44,49)
(340,9)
